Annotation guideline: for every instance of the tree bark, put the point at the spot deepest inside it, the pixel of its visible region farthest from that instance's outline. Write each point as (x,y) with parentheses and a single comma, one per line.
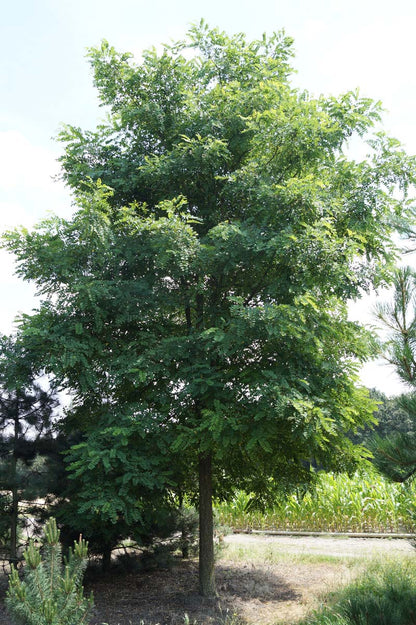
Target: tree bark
(206,528)
(14,516)
(106,558)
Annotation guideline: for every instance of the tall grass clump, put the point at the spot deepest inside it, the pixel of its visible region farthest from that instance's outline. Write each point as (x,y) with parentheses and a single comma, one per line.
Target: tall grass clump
(384,595)
(365,502)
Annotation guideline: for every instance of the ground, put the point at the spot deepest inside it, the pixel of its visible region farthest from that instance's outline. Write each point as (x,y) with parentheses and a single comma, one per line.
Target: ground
(262,580)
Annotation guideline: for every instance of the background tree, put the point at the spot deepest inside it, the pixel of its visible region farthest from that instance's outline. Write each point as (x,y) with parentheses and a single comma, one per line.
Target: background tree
(26,420)
(126,480)
(201,302)
(391,418)
(395,452)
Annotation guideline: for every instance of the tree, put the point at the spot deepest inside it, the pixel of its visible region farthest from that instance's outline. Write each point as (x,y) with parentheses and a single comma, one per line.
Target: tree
(395,452)
(122,494)
(51,592)
(390,418)
(26,412)
(196,302)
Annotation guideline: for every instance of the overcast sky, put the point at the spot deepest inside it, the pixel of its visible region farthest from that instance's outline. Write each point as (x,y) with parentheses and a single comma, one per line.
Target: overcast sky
(46,81)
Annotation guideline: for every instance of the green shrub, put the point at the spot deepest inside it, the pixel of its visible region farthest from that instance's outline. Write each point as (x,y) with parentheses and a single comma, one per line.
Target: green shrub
(384,595)
(187,524)
(51,592)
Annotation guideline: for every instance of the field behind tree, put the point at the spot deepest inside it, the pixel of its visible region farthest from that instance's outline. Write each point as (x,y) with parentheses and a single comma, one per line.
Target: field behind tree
(365,502)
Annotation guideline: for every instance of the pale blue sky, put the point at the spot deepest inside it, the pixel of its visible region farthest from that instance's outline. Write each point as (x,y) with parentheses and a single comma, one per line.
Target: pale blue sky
(45,81)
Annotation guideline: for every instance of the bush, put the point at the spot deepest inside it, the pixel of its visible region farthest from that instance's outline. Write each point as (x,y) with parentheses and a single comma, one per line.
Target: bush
(51,593)
(187,525)
(384,595)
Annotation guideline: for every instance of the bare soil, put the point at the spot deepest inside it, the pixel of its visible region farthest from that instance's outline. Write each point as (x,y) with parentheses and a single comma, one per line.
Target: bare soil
(257,592)
(326,545)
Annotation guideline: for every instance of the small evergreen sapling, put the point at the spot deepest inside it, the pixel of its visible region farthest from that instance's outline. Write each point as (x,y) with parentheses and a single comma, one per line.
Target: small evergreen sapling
(51,592)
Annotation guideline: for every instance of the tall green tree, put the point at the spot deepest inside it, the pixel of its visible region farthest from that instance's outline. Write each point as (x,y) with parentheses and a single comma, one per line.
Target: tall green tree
(395,452)
(26,417)
(196,302)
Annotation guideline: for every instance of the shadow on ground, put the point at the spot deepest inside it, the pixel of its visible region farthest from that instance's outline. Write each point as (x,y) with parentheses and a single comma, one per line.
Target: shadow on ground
(163,597)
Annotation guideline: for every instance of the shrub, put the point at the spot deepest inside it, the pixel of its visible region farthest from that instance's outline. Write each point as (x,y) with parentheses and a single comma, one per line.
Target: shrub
(384,595)
(51,592)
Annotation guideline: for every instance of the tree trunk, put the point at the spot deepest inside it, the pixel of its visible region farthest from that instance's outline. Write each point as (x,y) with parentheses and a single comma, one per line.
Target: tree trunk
(14,515)
(206,529)
(106,558)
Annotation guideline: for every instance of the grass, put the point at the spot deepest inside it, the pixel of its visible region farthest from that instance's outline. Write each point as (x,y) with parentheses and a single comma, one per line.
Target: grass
(381,593)
(384,595)
(364,503)
(259,554)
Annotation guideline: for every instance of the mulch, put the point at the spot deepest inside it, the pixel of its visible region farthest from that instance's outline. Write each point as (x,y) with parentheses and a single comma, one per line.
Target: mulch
(164,597)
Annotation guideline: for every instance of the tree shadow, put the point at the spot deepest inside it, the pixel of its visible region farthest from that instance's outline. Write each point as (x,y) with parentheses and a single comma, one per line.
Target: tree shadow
(164,597)
(249,582)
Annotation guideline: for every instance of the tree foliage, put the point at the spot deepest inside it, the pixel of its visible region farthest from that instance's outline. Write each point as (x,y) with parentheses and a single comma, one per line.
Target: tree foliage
(395,453)
(196,303)
(116,488)
(390,417)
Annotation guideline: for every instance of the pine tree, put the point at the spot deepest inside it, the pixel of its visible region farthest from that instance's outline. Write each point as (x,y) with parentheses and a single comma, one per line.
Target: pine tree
(51,592)
(395,454)
(26,411)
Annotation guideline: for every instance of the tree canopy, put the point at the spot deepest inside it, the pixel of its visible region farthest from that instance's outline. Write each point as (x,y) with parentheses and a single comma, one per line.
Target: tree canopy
(195,304)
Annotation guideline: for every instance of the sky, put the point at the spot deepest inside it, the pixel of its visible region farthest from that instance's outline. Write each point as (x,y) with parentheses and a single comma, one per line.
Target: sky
(45,81)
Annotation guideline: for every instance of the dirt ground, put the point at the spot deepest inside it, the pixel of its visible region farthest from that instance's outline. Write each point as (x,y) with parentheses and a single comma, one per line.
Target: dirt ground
(258,593)
(326,545)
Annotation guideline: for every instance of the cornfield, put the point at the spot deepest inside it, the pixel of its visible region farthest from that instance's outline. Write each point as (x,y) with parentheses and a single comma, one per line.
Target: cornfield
(365,502)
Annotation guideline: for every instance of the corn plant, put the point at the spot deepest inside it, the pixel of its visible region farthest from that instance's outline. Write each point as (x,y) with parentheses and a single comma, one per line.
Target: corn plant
(365,502)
